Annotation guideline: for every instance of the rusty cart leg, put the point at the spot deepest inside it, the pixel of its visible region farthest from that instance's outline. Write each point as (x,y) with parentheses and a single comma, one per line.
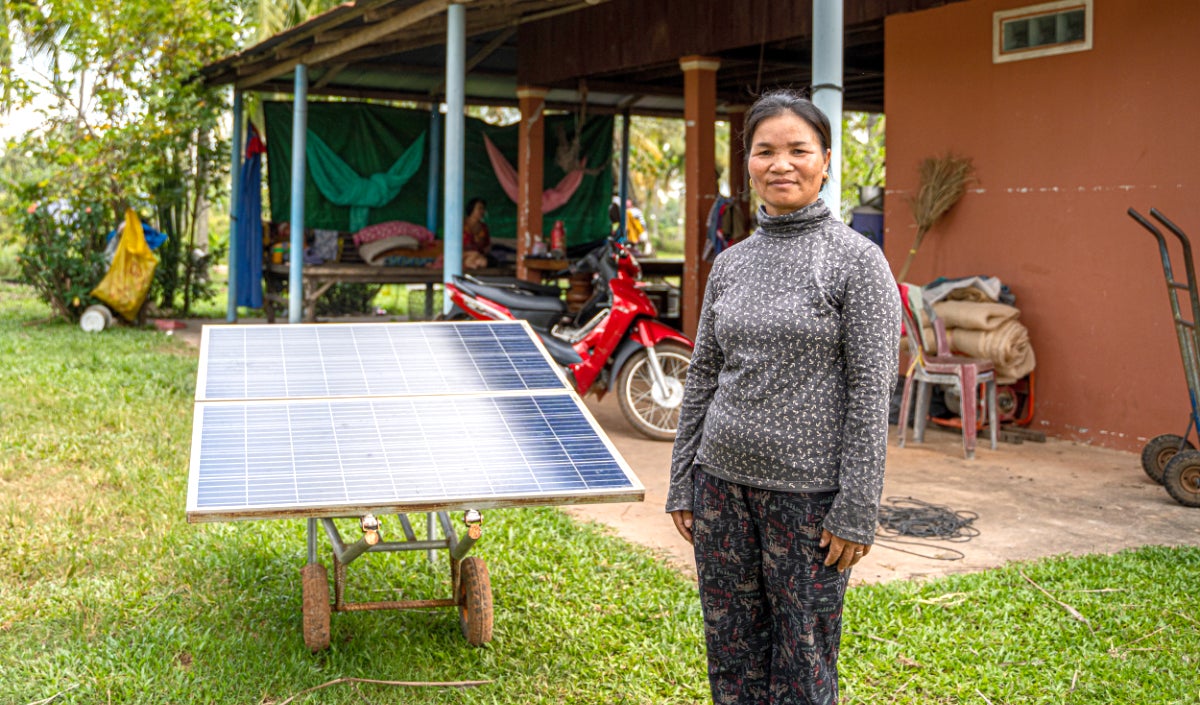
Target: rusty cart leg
(315,589)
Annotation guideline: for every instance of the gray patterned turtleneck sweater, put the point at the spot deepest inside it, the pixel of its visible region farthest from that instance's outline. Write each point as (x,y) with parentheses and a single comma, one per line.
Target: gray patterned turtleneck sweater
(794,367)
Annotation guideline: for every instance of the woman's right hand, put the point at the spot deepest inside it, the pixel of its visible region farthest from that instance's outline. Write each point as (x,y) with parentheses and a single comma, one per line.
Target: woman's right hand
(683,523)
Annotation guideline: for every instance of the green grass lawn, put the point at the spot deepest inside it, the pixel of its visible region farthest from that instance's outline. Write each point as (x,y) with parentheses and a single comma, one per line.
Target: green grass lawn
(108,595)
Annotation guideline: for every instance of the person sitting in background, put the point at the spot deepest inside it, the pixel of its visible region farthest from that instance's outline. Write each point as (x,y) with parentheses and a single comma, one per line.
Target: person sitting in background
(476,237)
(635,228)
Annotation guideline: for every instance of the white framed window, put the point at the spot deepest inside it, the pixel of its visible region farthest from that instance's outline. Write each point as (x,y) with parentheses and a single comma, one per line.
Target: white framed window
(1041,30)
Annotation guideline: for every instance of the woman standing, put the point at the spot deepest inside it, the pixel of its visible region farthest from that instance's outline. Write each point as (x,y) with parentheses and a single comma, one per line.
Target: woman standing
(778,465)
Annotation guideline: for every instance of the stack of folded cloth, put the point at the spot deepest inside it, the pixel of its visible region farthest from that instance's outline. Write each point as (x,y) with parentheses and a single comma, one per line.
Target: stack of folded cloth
(987,331)
(396,244)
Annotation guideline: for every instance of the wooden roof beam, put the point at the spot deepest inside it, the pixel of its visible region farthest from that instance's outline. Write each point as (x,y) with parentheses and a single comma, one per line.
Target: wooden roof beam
(479,56)
(330,74)
(368,34)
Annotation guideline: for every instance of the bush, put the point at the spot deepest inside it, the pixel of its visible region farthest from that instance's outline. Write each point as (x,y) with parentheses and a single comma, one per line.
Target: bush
(63,253)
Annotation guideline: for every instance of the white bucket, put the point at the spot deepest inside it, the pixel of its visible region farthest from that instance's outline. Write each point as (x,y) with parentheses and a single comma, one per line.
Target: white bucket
(95,318)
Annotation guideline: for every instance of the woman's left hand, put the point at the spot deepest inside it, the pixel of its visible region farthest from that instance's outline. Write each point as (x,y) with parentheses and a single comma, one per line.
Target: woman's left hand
(842,552)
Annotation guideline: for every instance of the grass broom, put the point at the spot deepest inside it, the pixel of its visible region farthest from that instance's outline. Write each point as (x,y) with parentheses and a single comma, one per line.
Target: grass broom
(943,181)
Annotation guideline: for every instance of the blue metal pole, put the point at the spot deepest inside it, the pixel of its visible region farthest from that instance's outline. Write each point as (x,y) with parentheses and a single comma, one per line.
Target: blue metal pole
(624,190)
(435,146)
(452,214)
(299,172)
(235,203)
(827,89)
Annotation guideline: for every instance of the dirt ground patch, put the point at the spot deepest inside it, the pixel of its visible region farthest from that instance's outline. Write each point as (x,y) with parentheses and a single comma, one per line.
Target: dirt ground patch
(1033,500)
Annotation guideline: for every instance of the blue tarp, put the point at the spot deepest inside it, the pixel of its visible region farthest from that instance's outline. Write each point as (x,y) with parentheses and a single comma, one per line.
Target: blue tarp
(249,234)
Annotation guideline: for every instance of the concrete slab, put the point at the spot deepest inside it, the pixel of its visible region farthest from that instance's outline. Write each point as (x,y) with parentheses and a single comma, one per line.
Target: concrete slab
(1033,500)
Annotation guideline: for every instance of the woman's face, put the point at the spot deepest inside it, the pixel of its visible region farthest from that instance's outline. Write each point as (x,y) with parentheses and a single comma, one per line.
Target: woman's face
(478,212)
(787,163)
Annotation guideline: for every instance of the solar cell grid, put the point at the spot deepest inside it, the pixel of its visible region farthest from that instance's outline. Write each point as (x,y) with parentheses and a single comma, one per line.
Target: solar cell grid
(259,458)
(352,360)
(341,420)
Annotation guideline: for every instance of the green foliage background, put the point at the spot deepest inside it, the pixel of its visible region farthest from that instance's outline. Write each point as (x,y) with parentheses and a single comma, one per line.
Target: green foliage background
(124,127)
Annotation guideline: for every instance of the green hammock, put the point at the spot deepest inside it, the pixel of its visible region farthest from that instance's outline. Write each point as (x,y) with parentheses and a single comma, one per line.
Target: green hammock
(343,186)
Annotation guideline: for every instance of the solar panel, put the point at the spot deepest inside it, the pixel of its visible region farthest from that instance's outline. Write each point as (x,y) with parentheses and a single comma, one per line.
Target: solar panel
(369,359)
(403,442)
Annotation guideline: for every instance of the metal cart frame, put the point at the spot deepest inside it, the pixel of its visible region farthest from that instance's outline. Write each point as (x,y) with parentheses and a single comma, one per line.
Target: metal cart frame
(1169,459)
(470,584)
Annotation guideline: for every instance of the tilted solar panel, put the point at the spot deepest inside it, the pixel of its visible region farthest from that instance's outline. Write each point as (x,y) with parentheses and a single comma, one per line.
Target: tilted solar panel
(370,359)
(487,423)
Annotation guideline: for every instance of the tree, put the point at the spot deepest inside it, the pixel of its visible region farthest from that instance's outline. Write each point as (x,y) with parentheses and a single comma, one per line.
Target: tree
(656,162)
(127,126)
(863,156)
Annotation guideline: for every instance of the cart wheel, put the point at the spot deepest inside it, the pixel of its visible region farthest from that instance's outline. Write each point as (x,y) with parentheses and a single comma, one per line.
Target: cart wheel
(474,601)
(1159,451)
(1182,478)
(315,583)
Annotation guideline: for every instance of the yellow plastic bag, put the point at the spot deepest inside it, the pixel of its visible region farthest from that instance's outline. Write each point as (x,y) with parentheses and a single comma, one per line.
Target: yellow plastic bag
(125,286)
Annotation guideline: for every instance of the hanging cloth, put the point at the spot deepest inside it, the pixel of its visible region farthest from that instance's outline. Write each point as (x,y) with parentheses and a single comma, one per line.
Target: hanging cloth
(249,232)
(551,198)
(343,186)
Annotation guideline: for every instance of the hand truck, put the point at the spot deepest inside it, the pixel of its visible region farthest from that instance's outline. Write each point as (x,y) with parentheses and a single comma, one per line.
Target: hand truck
(1172,460)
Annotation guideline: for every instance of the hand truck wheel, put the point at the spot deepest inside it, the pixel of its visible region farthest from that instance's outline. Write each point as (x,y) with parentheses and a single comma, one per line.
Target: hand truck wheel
(1159,451)
(1182,478)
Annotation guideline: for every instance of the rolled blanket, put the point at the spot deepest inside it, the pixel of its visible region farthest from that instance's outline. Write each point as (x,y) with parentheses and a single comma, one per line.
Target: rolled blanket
(977,316)
(1007,347)
(970,293)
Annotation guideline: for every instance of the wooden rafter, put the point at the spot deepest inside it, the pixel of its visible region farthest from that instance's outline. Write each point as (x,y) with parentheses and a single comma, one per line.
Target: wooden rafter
(368,34)
(478,57)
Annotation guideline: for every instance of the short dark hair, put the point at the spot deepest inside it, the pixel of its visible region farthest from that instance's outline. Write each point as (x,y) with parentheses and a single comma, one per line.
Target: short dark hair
(778,102)
(471,205)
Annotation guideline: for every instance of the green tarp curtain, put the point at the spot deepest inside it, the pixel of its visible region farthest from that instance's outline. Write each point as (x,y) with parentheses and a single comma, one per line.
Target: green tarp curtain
(345,187)
(369,139)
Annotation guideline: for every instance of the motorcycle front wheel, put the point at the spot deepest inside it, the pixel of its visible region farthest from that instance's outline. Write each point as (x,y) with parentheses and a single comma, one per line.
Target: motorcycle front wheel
(654,412)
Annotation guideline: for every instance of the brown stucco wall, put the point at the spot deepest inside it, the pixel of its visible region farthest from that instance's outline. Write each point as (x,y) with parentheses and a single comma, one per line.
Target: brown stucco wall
(1063,145)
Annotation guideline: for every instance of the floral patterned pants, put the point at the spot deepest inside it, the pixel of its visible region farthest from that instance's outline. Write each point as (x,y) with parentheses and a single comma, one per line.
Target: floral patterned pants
(772,609)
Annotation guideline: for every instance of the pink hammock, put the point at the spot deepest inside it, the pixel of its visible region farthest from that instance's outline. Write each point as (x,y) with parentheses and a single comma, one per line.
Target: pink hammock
(552,197)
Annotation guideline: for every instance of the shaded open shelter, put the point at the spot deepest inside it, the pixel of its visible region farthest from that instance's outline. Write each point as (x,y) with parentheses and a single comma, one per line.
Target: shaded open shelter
(691,59)
(1071,111)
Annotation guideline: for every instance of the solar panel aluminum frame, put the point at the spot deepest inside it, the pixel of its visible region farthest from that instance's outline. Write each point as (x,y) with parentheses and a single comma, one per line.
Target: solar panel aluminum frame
(632,491)
(209,331)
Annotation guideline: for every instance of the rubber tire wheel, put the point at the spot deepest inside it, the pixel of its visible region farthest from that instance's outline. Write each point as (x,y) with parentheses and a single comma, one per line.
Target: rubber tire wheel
(637,368)
(315,582)
(474,601)
(1181,477)
(1159,451)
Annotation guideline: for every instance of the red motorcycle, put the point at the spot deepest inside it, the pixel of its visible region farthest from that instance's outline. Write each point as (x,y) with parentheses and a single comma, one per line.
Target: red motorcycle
(615,340)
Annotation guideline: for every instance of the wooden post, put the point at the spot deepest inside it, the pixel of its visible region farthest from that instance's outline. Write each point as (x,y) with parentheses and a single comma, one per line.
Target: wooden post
(739,184)
(700,182)
(531,149)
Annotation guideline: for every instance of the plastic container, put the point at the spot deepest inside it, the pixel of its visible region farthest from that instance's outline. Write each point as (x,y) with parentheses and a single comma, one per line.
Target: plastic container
(558,239)
(95,318)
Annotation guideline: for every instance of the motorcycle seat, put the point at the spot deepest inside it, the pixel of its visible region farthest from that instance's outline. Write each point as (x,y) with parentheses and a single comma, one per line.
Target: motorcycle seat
(511,283)
(514,299)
